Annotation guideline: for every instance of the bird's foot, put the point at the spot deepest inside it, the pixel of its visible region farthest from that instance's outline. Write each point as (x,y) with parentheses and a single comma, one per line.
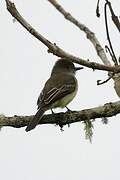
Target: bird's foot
(68,109)
(70,114)
(52,111)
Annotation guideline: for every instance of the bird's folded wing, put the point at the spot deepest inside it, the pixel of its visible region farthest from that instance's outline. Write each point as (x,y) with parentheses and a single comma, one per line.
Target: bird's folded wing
(55,90)
(57,93)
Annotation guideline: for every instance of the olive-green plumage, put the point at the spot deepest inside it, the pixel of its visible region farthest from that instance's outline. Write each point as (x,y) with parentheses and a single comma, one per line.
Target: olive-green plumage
(59,90)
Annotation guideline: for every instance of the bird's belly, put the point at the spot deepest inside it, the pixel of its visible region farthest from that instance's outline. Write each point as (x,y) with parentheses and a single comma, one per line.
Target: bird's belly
(64,101)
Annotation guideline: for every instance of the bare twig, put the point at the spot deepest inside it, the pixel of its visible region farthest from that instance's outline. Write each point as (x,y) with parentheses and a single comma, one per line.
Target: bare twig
(108,36)
(99,82)
(53,48)
(97,9)
(108,110)
(114,17)
(108,50)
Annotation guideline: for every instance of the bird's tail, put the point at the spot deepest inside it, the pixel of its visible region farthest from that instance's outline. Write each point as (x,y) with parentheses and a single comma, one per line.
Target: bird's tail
(33,123)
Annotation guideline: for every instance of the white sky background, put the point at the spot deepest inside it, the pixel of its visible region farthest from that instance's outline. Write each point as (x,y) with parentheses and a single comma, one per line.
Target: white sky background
(46,153)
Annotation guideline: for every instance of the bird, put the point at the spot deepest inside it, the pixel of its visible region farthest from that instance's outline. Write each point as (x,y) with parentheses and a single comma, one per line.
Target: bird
(59,90)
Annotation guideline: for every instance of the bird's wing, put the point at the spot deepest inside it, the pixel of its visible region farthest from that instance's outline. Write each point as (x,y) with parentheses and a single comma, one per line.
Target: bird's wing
(55,89)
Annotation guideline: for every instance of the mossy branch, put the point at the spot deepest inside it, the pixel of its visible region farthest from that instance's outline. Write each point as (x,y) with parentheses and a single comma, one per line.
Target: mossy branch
(107,110)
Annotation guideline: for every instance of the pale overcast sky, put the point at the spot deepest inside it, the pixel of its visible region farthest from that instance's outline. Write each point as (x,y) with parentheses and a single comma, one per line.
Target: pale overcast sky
(47,153)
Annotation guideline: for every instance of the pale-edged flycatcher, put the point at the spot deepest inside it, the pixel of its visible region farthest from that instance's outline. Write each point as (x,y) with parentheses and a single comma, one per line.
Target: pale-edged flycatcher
(59,90)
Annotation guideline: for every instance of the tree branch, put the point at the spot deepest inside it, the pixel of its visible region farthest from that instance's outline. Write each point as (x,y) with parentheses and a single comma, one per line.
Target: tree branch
(108,110)
(53,48)
(89,34)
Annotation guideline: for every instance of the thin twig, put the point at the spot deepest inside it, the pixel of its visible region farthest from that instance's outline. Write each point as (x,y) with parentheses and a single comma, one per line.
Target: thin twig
(108,50)
(108,36)
(114,17)
(99,82)
(97,9)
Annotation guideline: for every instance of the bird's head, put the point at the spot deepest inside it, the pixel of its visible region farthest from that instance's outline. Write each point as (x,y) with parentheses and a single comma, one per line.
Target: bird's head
(63,65)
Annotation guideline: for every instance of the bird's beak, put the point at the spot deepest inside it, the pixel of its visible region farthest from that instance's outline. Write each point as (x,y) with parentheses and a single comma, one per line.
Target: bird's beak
(78,68)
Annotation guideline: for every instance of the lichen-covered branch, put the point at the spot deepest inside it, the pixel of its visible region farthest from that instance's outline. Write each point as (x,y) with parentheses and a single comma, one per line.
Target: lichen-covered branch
(89,34)
(53,48)
(107,110)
